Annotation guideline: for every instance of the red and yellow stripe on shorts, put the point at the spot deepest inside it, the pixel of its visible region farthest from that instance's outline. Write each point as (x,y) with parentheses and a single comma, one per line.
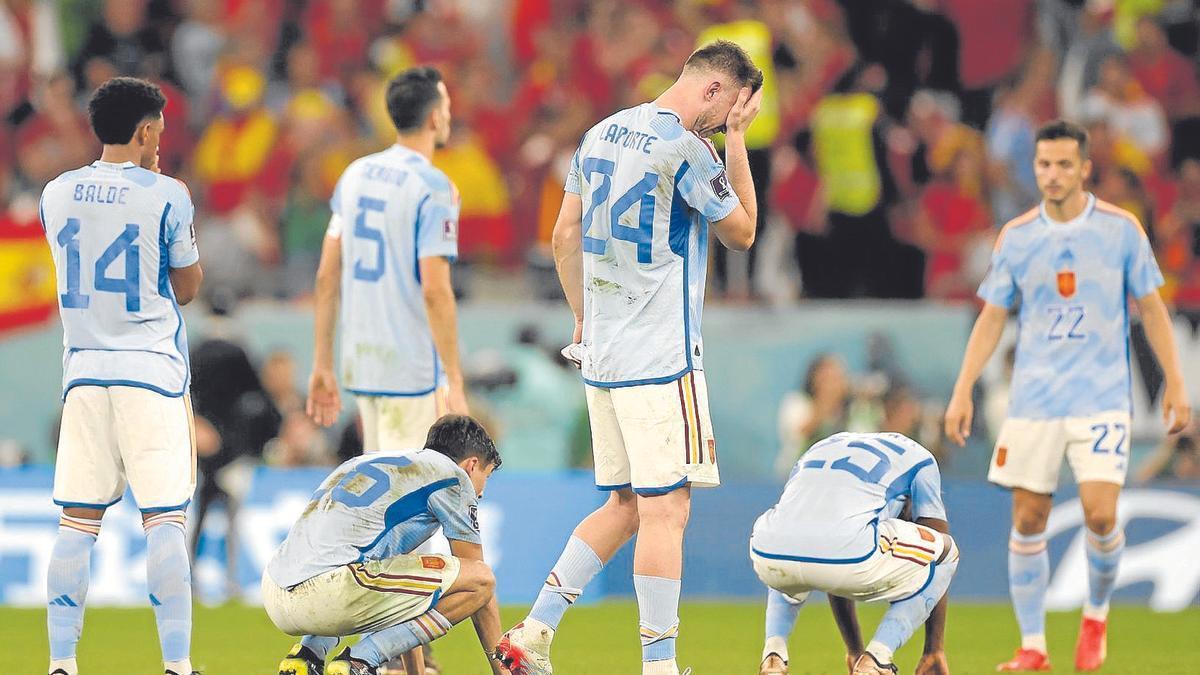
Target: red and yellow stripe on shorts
(408,584)
(917,553)
(689,405)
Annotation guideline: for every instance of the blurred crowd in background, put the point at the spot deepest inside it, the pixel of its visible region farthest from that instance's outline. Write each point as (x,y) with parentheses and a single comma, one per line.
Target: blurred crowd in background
(895,137)
(893,141)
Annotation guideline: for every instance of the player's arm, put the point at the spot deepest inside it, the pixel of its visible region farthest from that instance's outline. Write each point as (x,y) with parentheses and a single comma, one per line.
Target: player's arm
(442,310)
(1156,320)
(185,282)
(846,619)
(567,242)
(736,230)
(927,506)
(324,402)
(984,338)
(487,618)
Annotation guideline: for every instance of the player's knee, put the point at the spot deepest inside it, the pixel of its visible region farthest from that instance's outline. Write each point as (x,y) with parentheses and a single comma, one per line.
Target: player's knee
(173,518)
(1030,521)
(1100,520)
(663,512)
(479,575)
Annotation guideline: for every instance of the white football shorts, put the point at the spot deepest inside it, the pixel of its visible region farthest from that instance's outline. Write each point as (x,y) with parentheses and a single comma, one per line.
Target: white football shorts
(115,436)
(901,566)
(360,597)
(398,422)
(1029,453)
(653,437)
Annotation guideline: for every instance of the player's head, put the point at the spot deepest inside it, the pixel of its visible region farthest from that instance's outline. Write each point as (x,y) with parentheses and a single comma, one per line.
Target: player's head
(1060,161)
(715,74)
(465,441)
(128,111)
(418,101)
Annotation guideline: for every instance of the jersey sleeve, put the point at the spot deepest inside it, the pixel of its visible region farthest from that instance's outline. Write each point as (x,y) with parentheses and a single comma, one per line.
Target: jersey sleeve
(1142,275)
(573,183)
(181,231)
(437,223)
(457,509)
(927,493)
(335,202)
(704,184)
(999,287)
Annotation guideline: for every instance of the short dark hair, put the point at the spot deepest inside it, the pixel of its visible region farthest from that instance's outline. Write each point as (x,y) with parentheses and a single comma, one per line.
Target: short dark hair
(459,437)
(411,96)
(729,58)
(120,105)
(1057,129)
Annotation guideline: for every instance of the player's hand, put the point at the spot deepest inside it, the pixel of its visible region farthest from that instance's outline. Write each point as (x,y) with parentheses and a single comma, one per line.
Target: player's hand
(577,336)
(933,664)
(958,418)
(456,400)
(324,402)
(851,659)
(1175,405)
(743,111)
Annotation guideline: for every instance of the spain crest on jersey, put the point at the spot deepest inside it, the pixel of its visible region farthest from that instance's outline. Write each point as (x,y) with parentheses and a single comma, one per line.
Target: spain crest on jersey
(1066,283)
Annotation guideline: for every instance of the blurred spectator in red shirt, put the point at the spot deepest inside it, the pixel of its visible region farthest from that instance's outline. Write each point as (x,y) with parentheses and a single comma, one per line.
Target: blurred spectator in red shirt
(994,39)
(57,137)
(1164,73)
(30,48)
(953,220)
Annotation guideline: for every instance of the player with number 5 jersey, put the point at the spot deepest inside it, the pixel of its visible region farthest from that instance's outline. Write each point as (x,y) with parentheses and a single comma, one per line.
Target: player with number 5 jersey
(1074,263)
(386,260)
(631,247)
(125,257)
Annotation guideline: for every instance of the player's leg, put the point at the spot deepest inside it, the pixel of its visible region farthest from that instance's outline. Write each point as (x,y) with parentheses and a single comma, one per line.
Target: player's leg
(907,613)
(1027,460)
(670,446)
(593,543)
(473,587)
(1099,459)
(1105,543)
(782,611)
(368,416)
(157,442)
(88,478)
(657,574)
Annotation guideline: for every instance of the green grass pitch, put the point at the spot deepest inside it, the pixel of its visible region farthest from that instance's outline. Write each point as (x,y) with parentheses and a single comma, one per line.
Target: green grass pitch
(717,639)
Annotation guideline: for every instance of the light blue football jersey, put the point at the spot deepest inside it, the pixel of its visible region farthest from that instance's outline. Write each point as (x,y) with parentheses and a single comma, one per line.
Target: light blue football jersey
(115,232)
(377,506)
(649,189)
(1074,281)
(395,208)
(840,490)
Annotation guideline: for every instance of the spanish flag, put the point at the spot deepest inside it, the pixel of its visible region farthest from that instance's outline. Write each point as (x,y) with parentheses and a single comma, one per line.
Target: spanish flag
(27,283)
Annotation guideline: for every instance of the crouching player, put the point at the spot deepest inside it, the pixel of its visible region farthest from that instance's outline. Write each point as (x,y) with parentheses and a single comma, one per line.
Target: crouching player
(346,567)
(826,534)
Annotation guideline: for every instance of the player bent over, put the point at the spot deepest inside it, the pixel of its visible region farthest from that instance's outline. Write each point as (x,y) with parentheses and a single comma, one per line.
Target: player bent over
(826,534)
(346,566)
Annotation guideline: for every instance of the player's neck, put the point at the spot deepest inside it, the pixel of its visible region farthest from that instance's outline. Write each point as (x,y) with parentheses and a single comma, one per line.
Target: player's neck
(1068,209)
(119,154)
(419,143)
(675,100)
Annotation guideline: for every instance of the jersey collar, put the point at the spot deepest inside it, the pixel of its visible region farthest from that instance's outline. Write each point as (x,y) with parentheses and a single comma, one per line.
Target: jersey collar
(116,165)
(1083,215)
(408,153)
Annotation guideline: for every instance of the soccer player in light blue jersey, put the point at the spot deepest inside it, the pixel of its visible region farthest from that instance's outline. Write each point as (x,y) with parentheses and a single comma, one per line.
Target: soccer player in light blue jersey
(348,564)
(1074,262)
(386,261)
(631,246)
(834,530)
(125,258)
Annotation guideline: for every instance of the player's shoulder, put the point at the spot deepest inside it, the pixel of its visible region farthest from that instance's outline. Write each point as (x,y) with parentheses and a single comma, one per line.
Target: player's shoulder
(63,179)
(1013,228)
(1107,213)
